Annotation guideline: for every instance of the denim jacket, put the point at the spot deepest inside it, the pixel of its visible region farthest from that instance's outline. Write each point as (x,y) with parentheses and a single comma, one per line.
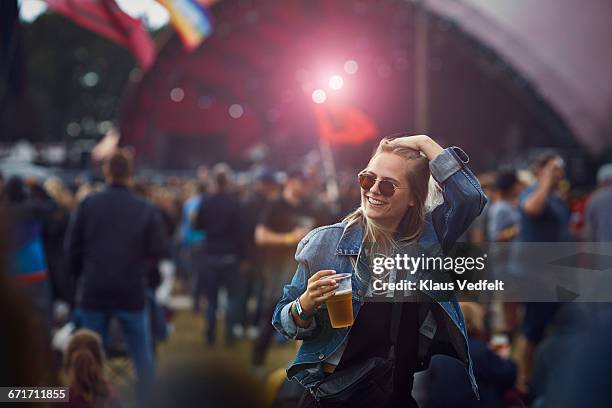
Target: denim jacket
(442,327)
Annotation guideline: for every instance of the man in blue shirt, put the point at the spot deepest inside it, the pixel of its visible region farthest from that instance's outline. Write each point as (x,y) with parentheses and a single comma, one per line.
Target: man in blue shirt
(544,218)
(597,215)
(544,214)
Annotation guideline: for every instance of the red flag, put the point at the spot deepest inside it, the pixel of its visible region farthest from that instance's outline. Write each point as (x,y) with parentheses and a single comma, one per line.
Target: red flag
(106,18)
(342,123)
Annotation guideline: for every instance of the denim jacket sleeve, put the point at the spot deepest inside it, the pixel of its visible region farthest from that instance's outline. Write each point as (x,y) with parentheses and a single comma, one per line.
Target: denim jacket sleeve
(463,196)
(281,319)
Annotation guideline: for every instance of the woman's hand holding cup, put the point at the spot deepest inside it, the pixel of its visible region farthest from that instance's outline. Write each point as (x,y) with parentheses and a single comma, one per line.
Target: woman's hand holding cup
(318,290)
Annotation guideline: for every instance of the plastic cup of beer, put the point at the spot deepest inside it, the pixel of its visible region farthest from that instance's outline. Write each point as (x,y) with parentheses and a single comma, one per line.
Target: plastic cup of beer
(340,304)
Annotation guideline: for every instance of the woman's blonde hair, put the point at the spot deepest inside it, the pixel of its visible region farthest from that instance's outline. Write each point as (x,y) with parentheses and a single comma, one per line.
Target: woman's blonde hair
(424,192)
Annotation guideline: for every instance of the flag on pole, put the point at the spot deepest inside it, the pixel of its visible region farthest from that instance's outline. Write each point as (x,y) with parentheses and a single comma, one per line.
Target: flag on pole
(191,20)
(341,123)
(105,18)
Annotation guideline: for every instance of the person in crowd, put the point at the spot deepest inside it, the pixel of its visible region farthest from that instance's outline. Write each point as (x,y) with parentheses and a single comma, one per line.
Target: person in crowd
(394,192)
(503,226)
(112,237)
(281,226)
(163,203)
(598,214)
(478,231)
(264,191)
(54,191)
(84,366)
(220,215)
(503,215)
(191,240)
(28,218)
(493,368)
(163,198)
(350,194)
(544,217)
(544,214)
(318,203)
(25,354)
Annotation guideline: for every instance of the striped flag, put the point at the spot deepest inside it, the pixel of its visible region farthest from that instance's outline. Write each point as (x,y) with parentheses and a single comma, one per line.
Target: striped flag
(191,20)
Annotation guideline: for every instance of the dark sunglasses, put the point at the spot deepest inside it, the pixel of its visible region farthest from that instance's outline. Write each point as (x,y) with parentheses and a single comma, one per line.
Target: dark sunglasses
(386,187)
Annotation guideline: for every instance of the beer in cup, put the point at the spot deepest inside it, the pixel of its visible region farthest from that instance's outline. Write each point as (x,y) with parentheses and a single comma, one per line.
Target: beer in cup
(340,304)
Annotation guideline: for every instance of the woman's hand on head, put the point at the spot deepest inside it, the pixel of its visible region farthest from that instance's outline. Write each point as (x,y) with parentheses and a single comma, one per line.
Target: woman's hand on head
(422,143)
(318,290)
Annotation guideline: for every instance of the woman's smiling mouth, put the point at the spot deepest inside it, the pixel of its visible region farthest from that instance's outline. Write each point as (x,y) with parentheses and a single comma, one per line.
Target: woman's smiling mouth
(375,202)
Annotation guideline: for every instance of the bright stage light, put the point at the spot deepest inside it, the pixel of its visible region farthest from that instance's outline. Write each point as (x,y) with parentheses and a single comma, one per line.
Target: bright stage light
(319,96)
(351,67)
(336,82)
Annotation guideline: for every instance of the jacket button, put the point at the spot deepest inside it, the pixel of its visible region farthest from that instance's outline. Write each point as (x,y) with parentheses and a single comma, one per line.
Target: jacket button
(360,292)
(321,356)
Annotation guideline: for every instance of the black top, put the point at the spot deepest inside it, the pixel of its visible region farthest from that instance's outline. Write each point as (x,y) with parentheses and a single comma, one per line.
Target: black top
(253,208)
(370,337)
(221,217)
(281,217)
(112,237)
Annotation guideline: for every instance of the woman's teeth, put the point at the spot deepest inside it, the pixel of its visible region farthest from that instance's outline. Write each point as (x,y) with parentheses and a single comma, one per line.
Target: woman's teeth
(374,201)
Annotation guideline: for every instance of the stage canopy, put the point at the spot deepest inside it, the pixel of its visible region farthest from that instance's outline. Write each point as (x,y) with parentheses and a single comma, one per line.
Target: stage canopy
(562,47)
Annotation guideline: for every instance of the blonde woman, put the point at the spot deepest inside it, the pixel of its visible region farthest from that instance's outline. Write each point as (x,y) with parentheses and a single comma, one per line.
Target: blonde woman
(350,366)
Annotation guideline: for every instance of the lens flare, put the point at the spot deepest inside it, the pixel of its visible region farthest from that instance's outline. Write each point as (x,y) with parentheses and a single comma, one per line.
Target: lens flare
(319,96)
(351,67)
(336,82)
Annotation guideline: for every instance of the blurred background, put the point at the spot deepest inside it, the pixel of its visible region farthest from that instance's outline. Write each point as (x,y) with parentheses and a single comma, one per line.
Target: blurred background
(274,87)
(499,79)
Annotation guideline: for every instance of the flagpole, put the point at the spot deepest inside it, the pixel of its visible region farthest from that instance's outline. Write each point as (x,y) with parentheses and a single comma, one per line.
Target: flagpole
(420,72)
(331,178)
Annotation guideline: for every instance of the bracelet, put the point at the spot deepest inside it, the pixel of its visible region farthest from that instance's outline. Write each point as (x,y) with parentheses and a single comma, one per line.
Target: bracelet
(288,237)
(299,312)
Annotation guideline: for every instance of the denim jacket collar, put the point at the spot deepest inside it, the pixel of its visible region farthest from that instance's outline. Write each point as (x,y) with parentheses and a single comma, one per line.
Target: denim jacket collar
(351,239)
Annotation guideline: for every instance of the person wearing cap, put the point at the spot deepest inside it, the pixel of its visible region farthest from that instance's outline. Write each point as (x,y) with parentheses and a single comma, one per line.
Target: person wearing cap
(281,226)
(597,214)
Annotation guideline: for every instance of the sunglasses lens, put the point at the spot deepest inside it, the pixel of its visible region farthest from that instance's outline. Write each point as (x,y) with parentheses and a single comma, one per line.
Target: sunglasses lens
(366,181)
(386,188)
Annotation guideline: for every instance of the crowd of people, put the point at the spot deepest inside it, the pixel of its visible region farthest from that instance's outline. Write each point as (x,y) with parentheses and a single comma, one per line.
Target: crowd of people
(91,253)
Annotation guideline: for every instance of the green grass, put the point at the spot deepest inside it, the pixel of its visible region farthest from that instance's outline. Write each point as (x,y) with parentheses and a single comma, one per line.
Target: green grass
(186,345)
